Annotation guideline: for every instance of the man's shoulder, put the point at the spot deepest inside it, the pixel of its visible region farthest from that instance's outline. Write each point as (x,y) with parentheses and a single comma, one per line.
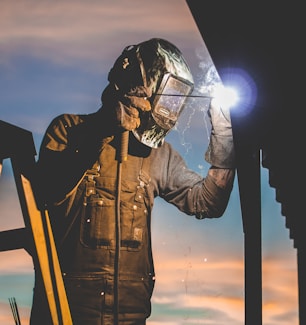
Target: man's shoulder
(69,119)
(167,146)
(165,150)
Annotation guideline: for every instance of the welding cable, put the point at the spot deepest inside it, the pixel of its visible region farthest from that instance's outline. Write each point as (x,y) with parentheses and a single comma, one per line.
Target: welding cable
(121,158)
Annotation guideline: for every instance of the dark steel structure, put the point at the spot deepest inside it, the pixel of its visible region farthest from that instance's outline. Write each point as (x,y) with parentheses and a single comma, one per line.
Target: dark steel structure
(266,40)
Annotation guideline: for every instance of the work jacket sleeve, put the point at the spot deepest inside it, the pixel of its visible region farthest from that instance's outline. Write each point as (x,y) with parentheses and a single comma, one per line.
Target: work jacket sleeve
(191,193)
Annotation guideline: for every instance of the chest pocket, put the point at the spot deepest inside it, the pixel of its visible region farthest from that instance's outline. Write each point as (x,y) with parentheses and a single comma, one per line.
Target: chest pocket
(98,217)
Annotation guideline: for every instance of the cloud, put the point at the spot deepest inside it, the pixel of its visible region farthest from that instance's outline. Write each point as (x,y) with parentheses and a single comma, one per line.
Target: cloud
(16,262)
(207,283)
(67,31)
(11,216)
(55,57)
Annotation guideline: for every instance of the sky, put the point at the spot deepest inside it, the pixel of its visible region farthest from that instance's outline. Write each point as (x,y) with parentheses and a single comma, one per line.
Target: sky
(54,59)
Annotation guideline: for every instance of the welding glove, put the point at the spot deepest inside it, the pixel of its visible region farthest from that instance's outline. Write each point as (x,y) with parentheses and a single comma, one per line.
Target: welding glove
(220,152)
(126,107)
(127,111)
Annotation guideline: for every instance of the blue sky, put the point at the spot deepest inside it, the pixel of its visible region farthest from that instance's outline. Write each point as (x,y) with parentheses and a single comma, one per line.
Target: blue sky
(54,58)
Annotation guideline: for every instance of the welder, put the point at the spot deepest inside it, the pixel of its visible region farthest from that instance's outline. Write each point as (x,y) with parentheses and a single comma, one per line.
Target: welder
(98,175)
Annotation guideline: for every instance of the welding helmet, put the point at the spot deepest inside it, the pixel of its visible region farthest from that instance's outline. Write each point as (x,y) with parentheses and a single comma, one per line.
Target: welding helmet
(160,70)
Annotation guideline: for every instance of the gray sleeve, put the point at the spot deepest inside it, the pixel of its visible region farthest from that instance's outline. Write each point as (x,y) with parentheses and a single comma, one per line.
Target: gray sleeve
(189,192)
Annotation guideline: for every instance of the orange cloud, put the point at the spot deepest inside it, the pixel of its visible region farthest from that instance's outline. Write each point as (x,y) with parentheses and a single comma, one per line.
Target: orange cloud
(68,31)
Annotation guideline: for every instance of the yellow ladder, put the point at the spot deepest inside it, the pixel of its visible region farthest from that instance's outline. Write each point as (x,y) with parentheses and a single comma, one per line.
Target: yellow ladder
(20,149)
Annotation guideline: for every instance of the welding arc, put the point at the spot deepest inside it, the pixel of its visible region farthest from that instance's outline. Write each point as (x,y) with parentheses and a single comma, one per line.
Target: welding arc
(191,96)
(14,309)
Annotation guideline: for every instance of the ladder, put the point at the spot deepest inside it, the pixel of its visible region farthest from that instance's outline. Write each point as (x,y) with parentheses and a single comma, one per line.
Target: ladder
(20,149)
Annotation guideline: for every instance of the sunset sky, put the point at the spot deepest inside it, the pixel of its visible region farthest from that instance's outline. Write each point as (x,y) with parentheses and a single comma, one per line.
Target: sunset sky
(54,59)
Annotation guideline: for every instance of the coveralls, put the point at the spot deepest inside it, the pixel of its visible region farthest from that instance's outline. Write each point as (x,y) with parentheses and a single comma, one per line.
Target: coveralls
(78,173)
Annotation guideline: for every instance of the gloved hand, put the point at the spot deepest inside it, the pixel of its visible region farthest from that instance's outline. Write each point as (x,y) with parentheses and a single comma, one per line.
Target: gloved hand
(220,152)
(127,111)
(124,108)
